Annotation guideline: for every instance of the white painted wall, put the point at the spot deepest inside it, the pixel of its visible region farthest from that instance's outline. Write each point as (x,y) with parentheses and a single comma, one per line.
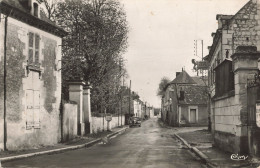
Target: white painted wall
(100,123)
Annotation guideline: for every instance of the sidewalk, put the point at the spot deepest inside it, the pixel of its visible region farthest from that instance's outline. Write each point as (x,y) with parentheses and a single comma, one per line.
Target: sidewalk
(79,142)
(200,142)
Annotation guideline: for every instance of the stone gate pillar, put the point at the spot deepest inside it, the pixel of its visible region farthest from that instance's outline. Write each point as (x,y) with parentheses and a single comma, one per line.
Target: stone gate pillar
(245,64)
(87,108)
(76,95)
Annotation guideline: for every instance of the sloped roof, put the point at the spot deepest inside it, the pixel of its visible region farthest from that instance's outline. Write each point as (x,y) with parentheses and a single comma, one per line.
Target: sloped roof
(200,81)
(194,95)
(183,78)
(230,19)
(18,10)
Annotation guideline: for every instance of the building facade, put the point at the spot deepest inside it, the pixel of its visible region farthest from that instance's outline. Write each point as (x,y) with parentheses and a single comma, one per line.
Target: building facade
(30,57)
(137,108)
(232,62)
(185,102)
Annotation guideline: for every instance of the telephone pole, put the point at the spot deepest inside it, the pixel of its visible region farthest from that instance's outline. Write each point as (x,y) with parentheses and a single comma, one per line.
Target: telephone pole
(129,98)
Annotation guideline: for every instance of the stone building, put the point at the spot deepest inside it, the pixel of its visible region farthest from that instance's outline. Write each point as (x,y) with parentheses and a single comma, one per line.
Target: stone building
(232,60)
(137,108)
(30,56)
(185,101)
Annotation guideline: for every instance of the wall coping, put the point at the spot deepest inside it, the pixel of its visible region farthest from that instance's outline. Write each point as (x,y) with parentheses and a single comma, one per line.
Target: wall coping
(75,82)
(88,86)
(246,69)
(246,55)
(225,96)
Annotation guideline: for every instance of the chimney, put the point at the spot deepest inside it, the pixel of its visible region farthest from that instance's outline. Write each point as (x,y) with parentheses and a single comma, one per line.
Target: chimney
(177,73)
(218,18)
(209,47)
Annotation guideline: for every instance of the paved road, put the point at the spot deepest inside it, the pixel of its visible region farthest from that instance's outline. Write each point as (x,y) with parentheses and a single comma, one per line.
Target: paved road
(147,147)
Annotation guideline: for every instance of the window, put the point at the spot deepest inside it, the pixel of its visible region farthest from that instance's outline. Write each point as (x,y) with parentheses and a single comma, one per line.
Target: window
(224,78)
(34,45)
(181,95)
(214,74)
(35,9)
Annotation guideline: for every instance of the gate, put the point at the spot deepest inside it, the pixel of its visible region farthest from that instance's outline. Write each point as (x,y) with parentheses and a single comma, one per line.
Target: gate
(253,107)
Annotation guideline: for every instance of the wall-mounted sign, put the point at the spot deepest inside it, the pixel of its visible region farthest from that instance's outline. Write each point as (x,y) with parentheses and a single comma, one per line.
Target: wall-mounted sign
(108,117)
(257,113)
(203,65)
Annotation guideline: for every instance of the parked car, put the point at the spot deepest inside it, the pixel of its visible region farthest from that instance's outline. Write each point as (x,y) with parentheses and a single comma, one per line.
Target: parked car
(135,121)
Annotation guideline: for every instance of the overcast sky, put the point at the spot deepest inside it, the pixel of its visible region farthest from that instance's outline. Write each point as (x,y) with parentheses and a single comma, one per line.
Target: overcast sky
(161,38)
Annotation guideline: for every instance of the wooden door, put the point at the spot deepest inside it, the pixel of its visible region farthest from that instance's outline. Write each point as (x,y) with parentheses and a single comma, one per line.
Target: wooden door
(193,116)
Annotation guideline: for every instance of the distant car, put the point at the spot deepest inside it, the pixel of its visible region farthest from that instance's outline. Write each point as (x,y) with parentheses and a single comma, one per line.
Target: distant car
(135,121)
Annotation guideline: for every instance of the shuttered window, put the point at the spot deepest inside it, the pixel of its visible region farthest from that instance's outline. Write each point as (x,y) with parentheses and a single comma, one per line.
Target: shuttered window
(37,46)
(31,44)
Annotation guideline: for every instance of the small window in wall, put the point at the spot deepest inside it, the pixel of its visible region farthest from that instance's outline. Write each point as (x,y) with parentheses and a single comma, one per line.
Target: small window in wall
(35,9)
(181,95)
(214,73)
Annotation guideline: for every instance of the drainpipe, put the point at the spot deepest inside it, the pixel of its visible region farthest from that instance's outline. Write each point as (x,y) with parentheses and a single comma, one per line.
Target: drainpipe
(5,125)
(178,115)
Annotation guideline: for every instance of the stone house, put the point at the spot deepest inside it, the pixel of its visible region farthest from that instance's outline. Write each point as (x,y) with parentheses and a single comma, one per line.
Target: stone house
(185,101)
(232,61)
(30,57)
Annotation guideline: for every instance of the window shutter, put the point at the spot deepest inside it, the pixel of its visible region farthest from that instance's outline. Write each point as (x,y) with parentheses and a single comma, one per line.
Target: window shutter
(29,109)
(36,114)
(31,41)
(181,95)
(37,46)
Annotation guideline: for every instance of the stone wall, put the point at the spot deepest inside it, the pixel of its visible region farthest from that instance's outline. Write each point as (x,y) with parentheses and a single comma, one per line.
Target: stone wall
(69,121)
(100,124)
(44,127)
(230,112)
(227,123)
(202,115)
(244,28)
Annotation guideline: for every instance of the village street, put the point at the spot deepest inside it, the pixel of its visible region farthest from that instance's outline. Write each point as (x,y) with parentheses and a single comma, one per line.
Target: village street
(138,147)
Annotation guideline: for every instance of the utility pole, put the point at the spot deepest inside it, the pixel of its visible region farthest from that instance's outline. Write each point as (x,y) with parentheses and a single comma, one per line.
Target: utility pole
(129,98)
(145,109)
(122,99)
(5,62)
(118,89)
(202,49)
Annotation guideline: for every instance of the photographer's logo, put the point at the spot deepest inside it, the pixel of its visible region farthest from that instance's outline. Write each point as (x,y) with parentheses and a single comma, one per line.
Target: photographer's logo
(237,157)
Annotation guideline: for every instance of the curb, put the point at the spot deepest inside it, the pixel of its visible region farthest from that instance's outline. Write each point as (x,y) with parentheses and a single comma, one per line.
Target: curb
(195,150)
(54,151)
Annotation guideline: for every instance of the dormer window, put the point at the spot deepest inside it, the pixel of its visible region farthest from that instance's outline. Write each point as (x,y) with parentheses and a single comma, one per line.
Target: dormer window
(35,9)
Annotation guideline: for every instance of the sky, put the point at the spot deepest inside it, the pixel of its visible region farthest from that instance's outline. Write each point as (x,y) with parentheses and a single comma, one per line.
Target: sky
(161,39)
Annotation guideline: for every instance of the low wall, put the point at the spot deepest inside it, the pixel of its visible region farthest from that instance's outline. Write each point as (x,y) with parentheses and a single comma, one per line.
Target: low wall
(1,134)
(99,123)
(69,125)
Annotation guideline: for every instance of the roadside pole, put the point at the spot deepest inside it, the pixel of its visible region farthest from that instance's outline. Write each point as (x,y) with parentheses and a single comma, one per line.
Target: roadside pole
(129,98)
